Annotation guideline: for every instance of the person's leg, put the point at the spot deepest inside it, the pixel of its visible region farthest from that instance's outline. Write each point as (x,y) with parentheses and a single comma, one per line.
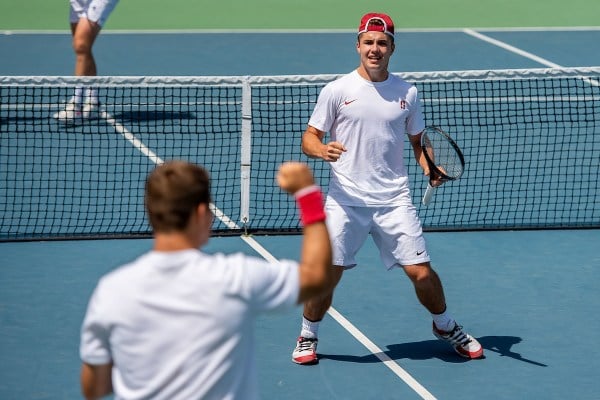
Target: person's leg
(348,229)
(84,36)
(77,98)
(305,351)
(428,286)
(430,293)
(315,309)
(84,102)
(90,15)
(399,237)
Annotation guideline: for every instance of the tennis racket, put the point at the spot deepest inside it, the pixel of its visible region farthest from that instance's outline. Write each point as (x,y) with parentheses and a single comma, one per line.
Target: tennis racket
(445,160)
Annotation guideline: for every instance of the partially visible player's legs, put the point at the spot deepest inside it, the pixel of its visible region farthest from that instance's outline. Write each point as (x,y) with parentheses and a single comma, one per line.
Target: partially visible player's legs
(305,351)
(399,236)
(430,293)
(315,309)
(84,35)
(428,286)
(84,102)
(348,228)
(87,17)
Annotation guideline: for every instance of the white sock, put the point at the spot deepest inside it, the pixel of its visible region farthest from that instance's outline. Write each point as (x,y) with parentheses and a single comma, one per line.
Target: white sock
(310,329)
(91,95)
(78,95)
(444,321)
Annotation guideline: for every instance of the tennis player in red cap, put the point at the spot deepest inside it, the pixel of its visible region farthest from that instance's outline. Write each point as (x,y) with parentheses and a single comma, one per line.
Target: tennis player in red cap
(368,113)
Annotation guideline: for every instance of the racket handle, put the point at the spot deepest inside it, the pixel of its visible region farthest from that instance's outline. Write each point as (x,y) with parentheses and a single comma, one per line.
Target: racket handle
(428,194)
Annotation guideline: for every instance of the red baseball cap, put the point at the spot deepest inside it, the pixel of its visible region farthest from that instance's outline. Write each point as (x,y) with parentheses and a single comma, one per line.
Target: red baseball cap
(386,25)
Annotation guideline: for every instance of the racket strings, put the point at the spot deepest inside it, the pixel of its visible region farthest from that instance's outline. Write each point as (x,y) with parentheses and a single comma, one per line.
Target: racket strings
(445,156)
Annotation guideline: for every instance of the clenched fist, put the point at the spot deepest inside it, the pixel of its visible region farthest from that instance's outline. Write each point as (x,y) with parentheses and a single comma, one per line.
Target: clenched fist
(293,176)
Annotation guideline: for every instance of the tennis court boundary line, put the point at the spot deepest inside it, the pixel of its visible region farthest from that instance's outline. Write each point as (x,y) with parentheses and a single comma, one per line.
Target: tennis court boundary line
(356,333)
(109,31)
(145,150)
(511,48)
(522,53)
(347,325)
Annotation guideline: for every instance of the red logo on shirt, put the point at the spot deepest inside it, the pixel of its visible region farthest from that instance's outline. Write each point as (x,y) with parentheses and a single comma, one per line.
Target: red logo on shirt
(349,101)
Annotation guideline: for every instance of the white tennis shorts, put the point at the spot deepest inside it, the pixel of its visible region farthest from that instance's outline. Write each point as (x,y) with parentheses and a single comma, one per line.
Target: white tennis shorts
(94,10)
(396,231)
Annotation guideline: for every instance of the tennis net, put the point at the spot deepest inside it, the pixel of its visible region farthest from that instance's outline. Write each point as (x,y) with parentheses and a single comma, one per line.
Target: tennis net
(531,140)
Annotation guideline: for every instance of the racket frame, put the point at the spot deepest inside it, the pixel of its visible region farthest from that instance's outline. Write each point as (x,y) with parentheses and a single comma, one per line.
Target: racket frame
(433,167)
(431,163)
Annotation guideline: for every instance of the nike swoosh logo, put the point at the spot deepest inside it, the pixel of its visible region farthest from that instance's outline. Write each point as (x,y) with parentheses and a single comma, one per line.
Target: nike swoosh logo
(419,253)
(348,102)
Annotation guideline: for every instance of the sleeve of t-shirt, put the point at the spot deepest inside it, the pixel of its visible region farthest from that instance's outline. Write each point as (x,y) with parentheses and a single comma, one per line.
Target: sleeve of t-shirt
(324,113)
(415,123)
(273,285)
(94,346)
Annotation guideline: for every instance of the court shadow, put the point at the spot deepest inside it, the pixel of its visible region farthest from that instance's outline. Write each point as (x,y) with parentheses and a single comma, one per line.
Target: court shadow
(425,350)
(18,119)
(430,349)
(503,344)
(39,124)
(134,115)
(152,115)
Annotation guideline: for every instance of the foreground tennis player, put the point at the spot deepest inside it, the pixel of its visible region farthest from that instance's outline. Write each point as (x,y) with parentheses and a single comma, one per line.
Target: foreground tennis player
(178,323)
(368,113)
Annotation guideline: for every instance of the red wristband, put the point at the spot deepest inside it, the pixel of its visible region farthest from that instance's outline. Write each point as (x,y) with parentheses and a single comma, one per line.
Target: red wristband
(310,203)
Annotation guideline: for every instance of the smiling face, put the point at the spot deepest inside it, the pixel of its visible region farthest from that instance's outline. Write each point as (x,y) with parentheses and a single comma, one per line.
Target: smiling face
(375,50)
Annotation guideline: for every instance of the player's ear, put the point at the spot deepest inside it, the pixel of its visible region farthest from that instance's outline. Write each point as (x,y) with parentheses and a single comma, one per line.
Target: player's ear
(203,210)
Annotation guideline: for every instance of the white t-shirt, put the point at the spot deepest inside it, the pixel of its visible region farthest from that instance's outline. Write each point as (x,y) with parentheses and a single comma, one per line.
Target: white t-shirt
(180,325)
(371,119)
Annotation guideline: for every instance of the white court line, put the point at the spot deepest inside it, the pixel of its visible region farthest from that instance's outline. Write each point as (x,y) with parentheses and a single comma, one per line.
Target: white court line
(523,53)
(510,48)
(119,128)
(377,352)
(311,31)
(145,150)
(388,362)
(358,335)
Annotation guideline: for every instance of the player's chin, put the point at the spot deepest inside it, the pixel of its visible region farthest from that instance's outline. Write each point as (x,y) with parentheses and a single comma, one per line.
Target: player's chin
(376,66)
(374,62)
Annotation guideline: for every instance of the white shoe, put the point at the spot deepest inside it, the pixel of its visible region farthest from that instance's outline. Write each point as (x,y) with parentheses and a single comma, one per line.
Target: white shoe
(71,113)
(305,352)
(463,343)
(90,109)
(74,113)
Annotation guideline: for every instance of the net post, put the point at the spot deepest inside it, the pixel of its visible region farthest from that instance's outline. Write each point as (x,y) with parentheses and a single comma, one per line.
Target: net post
(246,151)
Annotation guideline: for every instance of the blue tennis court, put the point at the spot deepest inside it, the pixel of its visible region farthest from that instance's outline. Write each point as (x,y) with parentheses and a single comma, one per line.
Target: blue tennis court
(529,296)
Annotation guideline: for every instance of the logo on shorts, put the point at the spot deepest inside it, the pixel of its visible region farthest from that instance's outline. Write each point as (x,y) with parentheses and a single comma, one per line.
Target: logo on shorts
(420,252)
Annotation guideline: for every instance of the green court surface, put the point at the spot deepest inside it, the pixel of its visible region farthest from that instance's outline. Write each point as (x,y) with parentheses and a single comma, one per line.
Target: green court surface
(307,14)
